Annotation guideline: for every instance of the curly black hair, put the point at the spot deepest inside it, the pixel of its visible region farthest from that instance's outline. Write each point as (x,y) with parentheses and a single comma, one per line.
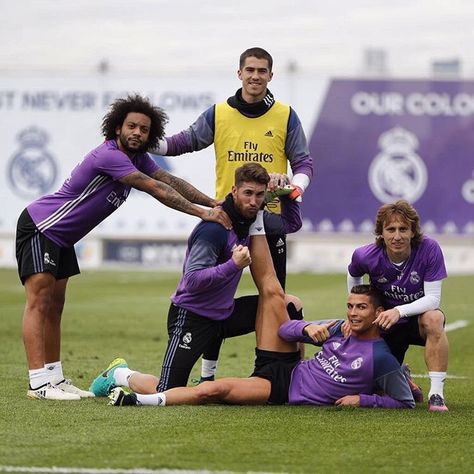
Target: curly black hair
(119,110)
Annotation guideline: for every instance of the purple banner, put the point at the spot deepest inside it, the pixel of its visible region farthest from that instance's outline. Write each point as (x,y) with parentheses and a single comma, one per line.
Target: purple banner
(377,141)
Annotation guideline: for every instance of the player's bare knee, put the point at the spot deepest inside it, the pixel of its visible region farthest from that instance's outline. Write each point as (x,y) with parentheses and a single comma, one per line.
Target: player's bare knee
(431,323)
(40,301)
(294,307)
(297,303)
(271,289)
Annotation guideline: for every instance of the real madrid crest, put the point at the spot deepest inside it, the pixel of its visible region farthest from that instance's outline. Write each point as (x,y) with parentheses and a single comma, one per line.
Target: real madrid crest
(397,172)
(357,363)
(32,170)
(414,278)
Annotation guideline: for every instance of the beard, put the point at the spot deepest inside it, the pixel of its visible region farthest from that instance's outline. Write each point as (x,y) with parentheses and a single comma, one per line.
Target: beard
(143,148)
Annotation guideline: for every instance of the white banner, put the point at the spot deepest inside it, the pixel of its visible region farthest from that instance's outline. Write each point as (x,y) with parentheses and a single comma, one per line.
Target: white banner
(50,124)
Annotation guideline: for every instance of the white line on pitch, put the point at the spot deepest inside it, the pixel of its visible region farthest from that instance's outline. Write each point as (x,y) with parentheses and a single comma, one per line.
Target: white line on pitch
(462,323)
(81,470)
(453,377)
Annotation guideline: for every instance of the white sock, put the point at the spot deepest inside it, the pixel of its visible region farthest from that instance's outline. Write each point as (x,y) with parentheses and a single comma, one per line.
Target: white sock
(208,368)
(121,376)
(55,369)
(437,383)
(39,377)
(257,227)
(156,399)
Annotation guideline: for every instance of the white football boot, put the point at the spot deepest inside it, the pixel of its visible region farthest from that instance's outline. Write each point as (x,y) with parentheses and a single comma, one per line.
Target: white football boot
(51,392)
(67,386)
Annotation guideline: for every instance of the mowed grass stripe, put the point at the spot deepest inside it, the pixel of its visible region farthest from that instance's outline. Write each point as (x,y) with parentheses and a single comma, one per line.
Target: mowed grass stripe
(119,313)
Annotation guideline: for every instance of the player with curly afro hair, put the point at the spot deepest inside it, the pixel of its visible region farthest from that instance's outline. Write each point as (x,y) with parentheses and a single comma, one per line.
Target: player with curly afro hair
(49,228)
(135,103)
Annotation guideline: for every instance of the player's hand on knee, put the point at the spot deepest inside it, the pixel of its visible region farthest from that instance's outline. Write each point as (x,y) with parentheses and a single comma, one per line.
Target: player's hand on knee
(241,256)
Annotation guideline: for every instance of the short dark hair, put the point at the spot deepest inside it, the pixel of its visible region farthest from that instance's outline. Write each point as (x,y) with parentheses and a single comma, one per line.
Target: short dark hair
(403,210)
(374,294)
(119,110)
(251,173)
(258,53)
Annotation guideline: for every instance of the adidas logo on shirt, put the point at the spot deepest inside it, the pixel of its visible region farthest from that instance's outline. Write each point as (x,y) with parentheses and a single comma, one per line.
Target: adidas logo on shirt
(269,134)
(280,243)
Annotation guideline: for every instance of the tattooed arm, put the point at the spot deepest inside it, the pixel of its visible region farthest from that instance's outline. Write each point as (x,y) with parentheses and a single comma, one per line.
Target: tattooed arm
(184,188)
(164,193)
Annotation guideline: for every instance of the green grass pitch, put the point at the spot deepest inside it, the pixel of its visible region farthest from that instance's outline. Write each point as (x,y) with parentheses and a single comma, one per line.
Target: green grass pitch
(121,313)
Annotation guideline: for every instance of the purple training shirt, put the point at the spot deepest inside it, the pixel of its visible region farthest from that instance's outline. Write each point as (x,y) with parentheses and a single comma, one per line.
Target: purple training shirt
(400,285)
(346,366)
(210,276)
(89,195)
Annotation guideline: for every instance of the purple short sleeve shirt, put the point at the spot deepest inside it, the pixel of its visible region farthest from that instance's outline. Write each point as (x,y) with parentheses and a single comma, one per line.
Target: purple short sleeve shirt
(90,194)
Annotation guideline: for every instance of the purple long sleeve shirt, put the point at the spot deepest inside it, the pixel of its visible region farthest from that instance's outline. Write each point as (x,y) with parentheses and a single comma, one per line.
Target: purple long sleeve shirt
(288,222)
(346,366)
(210,276)
(90,194)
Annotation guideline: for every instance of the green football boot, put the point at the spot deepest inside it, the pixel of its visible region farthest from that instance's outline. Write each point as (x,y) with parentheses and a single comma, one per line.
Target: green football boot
(105,382)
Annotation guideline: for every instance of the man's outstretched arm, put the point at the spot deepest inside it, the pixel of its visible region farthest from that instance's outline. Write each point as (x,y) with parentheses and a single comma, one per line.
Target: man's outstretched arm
(173,199)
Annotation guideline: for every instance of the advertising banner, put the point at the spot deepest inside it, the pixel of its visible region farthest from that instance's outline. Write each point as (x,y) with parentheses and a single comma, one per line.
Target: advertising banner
(50,123)
(372,141)
(377,141)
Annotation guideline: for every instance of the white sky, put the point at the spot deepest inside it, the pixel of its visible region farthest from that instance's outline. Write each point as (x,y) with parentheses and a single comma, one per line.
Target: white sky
(207,36)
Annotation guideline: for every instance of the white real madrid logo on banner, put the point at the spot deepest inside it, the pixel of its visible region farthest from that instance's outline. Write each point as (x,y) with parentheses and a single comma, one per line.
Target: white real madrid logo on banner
(32,170)
(397,172)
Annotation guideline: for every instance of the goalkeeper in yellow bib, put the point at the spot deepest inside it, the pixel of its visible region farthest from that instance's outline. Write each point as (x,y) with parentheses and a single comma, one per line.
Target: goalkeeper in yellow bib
(251,127)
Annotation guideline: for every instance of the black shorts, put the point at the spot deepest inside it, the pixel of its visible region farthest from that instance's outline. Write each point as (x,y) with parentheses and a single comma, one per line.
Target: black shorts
(189,335)
(276,367)
(35,253)
(403,335)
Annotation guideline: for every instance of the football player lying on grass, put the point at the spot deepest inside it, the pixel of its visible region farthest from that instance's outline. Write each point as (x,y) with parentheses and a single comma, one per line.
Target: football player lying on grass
(348,371)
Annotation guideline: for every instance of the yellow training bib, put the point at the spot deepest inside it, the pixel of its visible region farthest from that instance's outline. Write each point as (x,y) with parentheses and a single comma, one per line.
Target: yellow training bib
(239,140)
